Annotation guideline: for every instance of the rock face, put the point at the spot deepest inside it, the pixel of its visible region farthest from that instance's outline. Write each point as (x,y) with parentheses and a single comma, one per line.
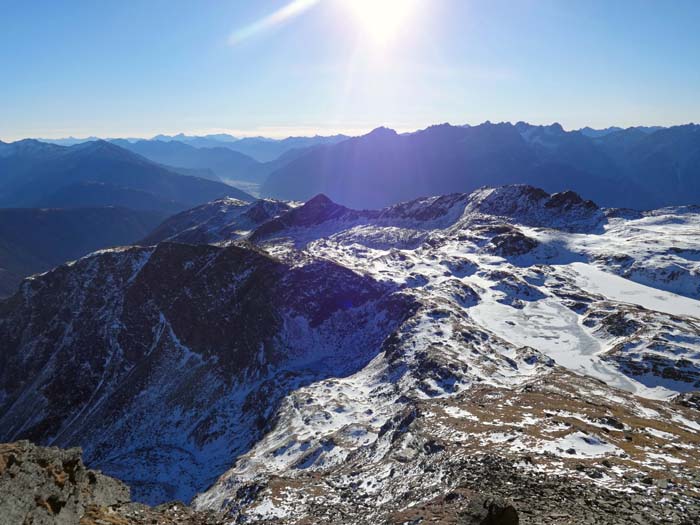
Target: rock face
(456,357)
(215,337)
(50,486)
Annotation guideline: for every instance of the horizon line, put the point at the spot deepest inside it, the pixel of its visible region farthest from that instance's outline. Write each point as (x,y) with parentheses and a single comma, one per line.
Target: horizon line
(284,132)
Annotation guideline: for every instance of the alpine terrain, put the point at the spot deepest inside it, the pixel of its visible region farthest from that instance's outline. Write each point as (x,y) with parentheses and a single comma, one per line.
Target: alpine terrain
(500,356)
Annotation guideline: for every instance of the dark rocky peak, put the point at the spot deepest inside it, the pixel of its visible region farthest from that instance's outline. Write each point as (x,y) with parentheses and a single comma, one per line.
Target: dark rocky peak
(319,201)
(567,200)
(522,126)
(555,128)
(532,206)
(318,210)
(315,211)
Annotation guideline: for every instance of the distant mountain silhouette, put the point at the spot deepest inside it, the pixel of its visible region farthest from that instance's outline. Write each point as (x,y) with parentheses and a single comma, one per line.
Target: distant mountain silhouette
(597,133)
(222,162)
(266,150)
(262,149)
(33,173)
(36,240)
(636,167)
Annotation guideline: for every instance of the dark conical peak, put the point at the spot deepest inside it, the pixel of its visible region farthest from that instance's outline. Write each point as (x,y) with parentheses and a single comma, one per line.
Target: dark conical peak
(315,211)
(319,200)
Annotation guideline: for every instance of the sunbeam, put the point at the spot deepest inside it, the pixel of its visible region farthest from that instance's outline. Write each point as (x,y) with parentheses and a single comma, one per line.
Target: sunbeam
(288,12)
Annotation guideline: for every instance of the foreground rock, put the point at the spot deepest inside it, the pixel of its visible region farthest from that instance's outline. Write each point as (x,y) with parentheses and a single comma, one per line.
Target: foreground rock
(51,486)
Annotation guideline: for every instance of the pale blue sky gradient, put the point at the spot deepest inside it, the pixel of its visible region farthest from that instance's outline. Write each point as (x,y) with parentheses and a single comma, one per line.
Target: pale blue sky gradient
(142,67)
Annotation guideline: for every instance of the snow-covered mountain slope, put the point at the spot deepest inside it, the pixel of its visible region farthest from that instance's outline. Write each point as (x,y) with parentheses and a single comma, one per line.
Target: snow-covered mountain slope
(220,220)
(164,363)
(344,366)
(504,357)
(660,248)
(535,282)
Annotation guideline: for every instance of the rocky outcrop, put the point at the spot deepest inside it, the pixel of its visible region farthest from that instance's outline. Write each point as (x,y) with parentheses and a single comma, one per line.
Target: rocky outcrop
(51,486)
(463,507)
(511,244)
(688,399)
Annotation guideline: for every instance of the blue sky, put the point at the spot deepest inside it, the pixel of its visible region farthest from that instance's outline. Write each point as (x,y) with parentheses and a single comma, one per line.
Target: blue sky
(141,67)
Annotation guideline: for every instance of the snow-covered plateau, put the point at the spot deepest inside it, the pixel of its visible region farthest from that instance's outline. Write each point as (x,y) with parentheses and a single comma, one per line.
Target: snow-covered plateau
(309,363)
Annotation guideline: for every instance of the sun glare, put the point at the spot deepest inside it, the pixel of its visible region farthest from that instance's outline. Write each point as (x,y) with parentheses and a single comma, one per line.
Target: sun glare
(381,20)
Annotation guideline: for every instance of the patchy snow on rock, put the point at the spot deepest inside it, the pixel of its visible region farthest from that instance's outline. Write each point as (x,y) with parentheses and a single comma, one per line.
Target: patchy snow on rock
(314,360)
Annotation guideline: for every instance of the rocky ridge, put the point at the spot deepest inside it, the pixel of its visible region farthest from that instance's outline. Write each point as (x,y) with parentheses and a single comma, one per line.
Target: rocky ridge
(460,343)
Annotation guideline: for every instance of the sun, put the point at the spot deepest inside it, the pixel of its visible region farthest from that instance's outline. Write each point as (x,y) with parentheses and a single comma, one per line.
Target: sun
(381,20)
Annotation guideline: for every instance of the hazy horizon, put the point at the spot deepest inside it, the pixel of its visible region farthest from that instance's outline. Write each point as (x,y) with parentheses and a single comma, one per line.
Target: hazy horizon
(280,68)
(297,133)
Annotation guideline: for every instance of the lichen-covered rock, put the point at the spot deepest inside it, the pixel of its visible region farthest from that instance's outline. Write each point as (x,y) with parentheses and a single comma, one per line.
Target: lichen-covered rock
(51,486)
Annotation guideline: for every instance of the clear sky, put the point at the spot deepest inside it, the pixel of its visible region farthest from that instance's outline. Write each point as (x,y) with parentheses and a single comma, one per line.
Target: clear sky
(277,67)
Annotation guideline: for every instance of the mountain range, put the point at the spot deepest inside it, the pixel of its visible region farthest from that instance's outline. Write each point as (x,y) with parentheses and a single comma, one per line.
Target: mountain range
(59,203)
(262,149)
(636,167)
(37,174)
(286,363)
(347,349)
